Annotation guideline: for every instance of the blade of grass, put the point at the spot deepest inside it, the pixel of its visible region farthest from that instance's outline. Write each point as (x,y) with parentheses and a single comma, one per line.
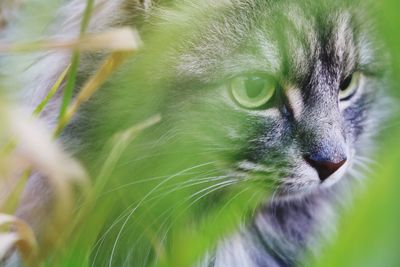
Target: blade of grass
(23,239)
(51,93)
(64,175)
(118,144)
(91,86)
(69,88)
(114,149)
(10,145)
(118,39)
(10,198)
(123,39)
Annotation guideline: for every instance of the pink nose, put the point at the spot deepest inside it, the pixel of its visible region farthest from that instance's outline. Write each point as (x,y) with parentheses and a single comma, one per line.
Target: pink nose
(324,168)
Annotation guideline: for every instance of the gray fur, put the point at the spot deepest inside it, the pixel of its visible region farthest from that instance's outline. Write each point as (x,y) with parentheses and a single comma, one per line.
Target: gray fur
(311,50)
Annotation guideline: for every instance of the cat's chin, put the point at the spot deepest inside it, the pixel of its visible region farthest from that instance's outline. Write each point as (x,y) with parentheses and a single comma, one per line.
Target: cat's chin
(283,194)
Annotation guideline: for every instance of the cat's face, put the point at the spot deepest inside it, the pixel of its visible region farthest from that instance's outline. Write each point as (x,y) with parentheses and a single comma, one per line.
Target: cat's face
(304,79)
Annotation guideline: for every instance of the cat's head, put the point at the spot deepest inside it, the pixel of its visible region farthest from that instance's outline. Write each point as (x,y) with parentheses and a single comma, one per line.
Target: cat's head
(286,90)
(305,79)
(277,94)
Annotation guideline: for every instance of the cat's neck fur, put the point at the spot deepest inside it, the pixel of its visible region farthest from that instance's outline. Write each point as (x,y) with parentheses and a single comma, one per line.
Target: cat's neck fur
(282,233)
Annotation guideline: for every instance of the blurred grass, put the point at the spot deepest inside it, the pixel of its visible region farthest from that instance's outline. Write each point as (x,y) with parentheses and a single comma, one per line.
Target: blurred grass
(369,235)
(71,81)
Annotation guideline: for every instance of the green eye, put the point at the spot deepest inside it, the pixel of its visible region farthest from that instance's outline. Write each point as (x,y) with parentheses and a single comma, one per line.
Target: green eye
(252,91)
(349,86)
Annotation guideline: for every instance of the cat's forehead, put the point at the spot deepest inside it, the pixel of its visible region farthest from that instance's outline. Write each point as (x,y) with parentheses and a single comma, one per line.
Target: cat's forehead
(281,39)
(306,38)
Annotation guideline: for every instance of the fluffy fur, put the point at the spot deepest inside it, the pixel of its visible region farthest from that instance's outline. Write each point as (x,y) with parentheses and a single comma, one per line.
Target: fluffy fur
(310,48)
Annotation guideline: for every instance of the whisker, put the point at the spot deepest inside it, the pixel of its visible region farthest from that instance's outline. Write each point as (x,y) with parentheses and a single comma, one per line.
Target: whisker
(140,203)
(231,200)
(126,211)
(188,185)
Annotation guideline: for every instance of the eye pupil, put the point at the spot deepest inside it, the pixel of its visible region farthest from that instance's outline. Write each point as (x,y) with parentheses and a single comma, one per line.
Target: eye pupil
(346,83)
(349,86)
(254,86)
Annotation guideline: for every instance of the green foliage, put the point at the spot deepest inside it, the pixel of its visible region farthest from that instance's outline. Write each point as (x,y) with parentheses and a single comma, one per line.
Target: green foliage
(369,234)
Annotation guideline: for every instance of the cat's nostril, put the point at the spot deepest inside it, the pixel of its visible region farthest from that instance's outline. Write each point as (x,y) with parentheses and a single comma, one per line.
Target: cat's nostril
(325,168)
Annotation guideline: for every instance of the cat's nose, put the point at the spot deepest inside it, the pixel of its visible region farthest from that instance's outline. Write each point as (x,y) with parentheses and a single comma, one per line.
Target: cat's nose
(325,168)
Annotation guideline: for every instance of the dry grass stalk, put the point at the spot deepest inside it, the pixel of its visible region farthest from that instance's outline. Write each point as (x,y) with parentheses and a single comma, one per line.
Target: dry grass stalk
(91,86)
(120,39)
(21,238)
(36,148)
(32,146)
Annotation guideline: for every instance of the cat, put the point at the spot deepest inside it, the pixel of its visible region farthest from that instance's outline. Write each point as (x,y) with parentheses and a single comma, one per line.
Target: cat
(289,91)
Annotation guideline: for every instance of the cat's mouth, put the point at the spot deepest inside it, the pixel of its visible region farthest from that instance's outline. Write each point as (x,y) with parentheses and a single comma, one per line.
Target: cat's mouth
(308,180)
(301,180)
